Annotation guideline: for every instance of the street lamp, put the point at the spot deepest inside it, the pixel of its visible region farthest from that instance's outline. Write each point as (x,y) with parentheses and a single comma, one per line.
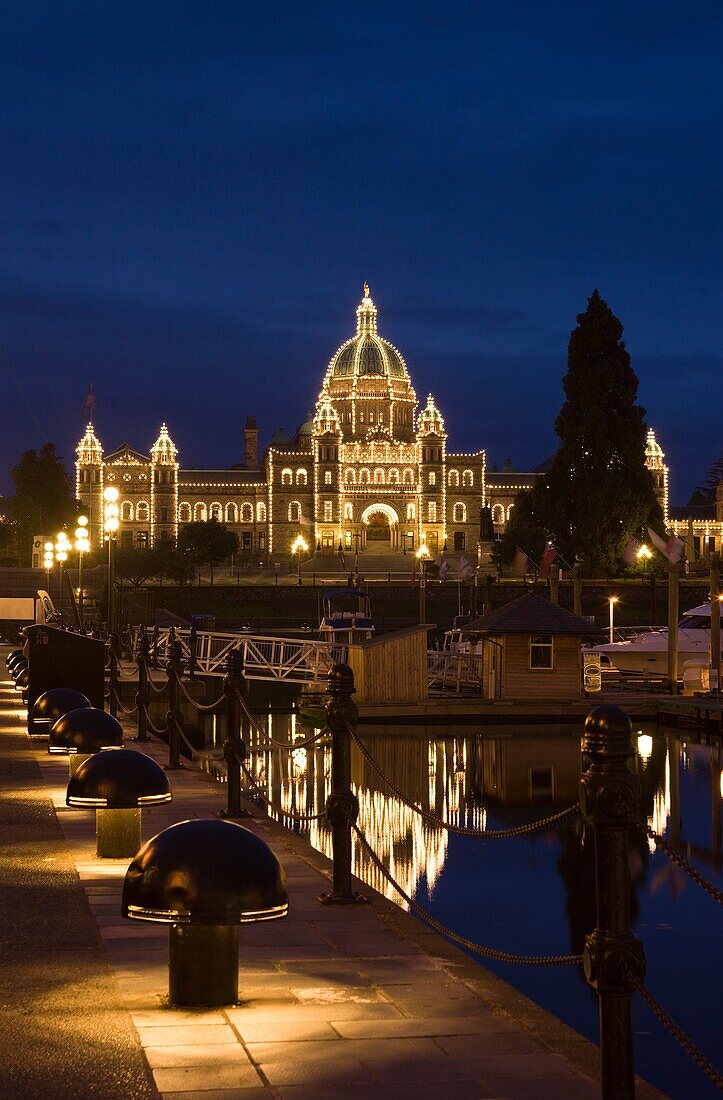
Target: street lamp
(423,556)
(62,546)
(612,600)
(110,526)
(644,555)
(48,561)
(82,545)
(299,546)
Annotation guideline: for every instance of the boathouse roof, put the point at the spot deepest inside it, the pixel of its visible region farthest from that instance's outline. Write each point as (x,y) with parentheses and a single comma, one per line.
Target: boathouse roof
(531,614)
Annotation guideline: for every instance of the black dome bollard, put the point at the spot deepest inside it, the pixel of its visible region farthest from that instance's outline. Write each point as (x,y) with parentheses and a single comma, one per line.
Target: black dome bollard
(52,705)
(81,733)
(12,657)
(204,879)
(21,676)
(118,783)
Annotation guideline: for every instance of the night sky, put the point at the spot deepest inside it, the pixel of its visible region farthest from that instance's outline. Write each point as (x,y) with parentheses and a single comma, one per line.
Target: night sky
(194,193)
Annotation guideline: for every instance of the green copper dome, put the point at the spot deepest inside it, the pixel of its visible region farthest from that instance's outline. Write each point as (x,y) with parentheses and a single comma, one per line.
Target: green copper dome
(367,354)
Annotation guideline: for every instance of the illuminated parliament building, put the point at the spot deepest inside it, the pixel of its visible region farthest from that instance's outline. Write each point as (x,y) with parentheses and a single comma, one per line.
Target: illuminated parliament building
(370,466)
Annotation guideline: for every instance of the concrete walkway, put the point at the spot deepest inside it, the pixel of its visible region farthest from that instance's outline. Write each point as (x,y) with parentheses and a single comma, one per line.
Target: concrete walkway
(336,1002)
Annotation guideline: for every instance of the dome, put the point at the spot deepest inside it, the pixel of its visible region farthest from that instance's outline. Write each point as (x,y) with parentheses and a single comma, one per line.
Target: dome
(367,354)
(430,420)
(89,450)
(164,449)
(653,452)
(327,419)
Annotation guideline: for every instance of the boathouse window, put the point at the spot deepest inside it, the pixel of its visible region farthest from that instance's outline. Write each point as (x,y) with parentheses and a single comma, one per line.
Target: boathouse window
(541,651)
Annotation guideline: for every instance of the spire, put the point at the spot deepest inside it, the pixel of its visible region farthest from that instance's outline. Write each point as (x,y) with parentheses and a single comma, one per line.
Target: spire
(430,421)
(366,315)
(89,450)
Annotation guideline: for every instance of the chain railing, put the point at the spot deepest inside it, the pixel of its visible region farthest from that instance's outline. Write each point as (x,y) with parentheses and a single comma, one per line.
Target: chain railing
(463,830)
(470,945)
(675,857)
(677,1033)
(255,790)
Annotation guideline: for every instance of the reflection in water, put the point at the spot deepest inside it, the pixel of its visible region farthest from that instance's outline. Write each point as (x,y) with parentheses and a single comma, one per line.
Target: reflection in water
(535,894)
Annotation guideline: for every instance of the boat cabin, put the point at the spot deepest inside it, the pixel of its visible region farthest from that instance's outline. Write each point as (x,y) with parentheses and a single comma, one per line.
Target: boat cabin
(346,616)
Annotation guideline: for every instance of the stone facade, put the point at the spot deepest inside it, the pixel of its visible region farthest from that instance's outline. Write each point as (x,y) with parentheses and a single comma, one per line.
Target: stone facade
(365,467)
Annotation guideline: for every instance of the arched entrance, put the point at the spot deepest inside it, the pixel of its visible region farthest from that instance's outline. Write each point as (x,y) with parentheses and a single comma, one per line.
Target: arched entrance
(380,527)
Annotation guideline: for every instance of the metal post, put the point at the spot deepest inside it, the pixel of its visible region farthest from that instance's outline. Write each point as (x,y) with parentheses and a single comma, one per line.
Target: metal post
(554,585)
(342,807)
(577,593)
(142,695)
(114,686)
(673,614)
(174,717)
(613,958)
(203,965)
(422,591)
(193,652)
(715,623)
(111,584)
(156,633)
(80,588)
(234,747)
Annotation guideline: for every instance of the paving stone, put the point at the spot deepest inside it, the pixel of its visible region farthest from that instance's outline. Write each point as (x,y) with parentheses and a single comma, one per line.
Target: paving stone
(198,1078)
(210,1055)
(185,1034)
(360,1050)
(441,1029)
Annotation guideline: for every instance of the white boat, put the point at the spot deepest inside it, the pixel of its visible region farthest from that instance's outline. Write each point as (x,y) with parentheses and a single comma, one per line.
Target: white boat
(346,617)
(647,652)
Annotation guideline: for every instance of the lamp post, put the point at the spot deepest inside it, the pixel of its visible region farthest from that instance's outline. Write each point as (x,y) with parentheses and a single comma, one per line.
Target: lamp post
(299,546)
(612,600)
(48,561)
(644,555)
(62,546)
(82,545)
(110,526)
(423,556)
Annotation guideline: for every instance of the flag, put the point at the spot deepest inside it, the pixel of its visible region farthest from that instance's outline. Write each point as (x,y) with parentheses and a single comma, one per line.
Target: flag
(671,548)
(89,404)
(547,559)
(444,570)
(465,569)
(630,553)
(520,563)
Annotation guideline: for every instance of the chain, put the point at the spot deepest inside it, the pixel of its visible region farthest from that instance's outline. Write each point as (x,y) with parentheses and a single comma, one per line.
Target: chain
(462,830)
(676,858)
(121,708)
(155,729)
(678,1034)
(272,740)
(272,804)
(207,708)
(471,945)
(149,681)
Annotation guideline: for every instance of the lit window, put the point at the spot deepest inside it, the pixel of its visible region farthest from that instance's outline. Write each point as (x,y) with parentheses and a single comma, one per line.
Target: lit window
(408,477)
(184,513)
(348,510)
(261,512)
(327,511)
(541,651)
(432,512)
(393,477)
(301,477)
(231,513)
(411,511)
(379,476)
(327,477)
(460,513)
(216,511)
(432,478)
(294,511)
(364,477)
(142,511)
(349,476)
(454,477)
(247,513)
(286,477)
(467,479)
(498,514)
(199,512)
(126,510)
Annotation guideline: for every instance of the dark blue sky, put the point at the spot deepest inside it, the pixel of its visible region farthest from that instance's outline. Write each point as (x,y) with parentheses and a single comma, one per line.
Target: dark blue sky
(193,194)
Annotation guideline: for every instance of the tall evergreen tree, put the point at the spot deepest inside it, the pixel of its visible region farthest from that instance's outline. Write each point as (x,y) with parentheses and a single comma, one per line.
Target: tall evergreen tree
(598,491)
(43,501)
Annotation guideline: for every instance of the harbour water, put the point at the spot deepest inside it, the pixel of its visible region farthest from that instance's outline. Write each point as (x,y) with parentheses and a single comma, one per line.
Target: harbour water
(535,895)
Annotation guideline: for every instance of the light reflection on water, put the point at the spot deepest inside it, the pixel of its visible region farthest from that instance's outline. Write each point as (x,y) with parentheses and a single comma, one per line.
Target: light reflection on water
(536,895)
